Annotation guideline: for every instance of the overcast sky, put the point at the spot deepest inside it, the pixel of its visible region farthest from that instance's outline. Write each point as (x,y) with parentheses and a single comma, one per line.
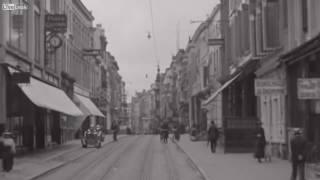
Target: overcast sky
(127,23)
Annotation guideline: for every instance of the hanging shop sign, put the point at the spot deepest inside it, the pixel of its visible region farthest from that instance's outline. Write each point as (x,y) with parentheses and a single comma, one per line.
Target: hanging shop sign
(269,87)
(215,42)
(308,88)
(56,23)
(92,52)
(21,77)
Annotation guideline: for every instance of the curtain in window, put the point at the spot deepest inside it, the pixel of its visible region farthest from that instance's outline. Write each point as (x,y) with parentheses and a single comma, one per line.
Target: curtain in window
(271,24)
(18,24)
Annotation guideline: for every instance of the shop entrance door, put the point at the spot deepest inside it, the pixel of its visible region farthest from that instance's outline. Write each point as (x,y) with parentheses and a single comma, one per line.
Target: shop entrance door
(40,129)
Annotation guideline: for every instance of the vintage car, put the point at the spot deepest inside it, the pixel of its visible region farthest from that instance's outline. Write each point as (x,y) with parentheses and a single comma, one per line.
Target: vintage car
(100,132)
(92,137)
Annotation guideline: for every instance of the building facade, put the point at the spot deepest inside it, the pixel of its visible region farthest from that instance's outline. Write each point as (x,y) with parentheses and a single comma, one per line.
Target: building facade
(143,111)
(37,121)
(301,64)
(77,82)
(198,55)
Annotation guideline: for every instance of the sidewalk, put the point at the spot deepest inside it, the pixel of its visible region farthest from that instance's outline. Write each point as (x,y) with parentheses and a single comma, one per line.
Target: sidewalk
(34,164)
(221,166)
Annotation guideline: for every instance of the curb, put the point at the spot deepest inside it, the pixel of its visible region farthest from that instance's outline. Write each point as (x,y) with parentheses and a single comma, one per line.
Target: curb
(62,164)
(203,174)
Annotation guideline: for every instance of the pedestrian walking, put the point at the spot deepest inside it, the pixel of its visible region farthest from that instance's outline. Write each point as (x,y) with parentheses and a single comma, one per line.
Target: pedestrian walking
(193,132)
(260,143)
(8,149)
(213,135)
(165,131)
(115,130)
(176,132)
(298,155)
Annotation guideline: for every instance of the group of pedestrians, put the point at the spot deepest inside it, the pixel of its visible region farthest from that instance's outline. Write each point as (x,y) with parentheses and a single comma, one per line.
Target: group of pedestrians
(165,130)
(298,147)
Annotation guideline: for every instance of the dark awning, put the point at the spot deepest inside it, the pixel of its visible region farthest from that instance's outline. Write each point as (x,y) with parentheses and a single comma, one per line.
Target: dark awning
(49,97)
(310,47)
(215,94)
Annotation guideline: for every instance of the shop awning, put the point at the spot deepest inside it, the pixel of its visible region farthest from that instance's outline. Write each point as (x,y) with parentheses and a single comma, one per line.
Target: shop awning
(49,97)
(90,107)
(215,94)
(301,52)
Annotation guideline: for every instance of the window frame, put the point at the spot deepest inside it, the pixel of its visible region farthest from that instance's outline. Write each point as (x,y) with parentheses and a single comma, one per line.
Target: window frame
(25,29)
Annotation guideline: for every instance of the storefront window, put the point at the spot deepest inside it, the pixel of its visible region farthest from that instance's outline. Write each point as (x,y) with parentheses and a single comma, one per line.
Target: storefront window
(37,37)
(315,106)
(18,23)
(16,127)
(49,124)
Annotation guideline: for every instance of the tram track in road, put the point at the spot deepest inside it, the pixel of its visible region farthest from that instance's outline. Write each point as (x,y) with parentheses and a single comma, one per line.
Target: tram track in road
(118,159)
(124,147)
(147,163)
(94,160)
(173,172)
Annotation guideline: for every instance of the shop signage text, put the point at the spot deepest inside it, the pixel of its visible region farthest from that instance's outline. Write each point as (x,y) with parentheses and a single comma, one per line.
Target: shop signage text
(215,42)
(308,88)
(21,77)
(56,23)
(269,87)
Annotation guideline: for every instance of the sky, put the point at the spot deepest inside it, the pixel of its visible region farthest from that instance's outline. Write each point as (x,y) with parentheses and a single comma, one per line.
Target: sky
(127,24)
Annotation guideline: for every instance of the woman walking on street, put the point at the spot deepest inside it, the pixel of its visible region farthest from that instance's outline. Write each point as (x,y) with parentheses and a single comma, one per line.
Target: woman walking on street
(260,143)
(8,150)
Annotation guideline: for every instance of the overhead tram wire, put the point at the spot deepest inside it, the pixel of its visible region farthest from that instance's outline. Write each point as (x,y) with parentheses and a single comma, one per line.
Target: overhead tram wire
(154,34)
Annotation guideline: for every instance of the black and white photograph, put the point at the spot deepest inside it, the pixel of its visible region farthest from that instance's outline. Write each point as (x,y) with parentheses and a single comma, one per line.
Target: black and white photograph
(159,90)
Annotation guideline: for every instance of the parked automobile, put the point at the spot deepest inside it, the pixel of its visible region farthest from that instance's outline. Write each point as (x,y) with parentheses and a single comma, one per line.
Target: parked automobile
(100,132)
(92,137)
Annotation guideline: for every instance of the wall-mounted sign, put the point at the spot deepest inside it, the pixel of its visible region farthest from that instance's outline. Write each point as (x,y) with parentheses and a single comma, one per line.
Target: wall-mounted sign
(308,88)
(20,77)
(91,52)
(56,23)
(215,42)
(269,87)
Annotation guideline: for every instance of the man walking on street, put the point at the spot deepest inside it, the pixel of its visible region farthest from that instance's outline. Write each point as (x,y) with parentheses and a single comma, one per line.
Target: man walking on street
(115,129)
(165,131)
(213,135)
(298,155)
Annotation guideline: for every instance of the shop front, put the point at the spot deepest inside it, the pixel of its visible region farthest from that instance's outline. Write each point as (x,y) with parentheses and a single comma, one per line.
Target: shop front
(270,89)
(198,114)
(91,114)
(34,111)
(239,109)
(303,79)
(3,95)
(303,86)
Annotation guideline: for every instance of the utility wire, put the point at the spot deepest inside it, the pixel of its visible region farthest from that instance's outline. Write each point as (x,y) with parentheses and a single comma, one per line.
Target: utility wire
(154,34)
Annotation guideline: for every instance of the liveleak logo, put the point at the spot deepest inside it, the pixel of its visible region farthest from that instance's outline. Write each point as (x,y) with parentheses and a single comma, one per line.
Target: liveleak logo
(14,6)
